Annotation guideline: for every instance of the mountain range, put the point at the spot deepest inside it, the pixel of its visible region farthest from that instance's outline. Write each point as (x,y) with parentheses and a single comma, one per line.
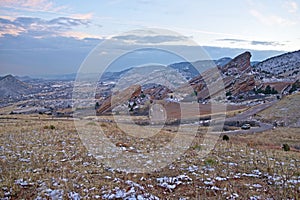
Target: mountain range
(239,75)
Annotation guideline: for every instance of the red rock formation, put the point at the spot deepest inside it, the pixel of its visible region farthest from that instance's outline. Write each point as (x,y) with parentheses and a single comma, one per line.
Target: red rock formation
(119,98)
(239,64)
(235,78)
(157,93)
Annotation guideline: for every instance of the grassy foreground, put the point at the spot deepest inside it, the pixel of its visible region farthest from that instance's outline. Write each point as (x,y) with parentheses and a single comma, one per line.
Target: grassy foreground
(42,157)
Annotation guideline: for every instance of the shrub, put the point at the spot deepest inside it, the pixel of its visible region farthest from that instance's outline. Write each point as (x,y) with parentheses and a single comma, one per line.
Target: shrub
(273,91)
(196,147)
(49,127)
(294,87)
(268,90)
(103,125)
(228,93)
(285,147)
(210,162)
(97,105)
(52,127)
(225,137)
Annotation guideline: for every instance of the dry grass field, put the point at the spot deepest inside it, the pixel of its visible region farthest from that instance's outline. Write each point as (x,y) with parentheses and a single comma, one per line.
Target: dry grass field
(285,111)
(44,158)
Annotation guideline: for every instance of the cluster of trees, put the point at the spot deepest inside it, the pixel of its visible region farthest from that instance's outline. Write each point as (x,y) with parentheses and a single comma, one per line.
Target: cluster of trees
(294,87)
(267,90)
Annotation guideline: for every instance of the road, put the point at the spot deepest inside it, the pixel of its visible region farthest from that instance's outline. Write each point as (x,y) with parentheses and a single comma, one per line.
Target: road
(249,113)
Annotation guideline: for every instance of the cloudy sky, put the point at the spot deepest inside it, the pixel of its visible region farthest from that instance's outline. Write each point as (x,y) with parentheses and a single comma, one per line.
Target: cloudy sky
(54,37)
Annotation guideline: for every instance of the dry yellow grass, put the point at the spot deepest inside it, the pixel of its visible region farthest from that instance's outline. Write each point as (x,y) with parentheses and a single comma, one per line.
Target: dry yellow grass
(285,111)
(273,139)
(37,160)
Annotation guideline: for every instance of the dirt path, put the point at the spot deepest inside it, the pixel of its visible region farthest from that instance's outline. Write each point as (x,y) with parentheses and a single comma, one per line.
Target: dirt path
(252,111)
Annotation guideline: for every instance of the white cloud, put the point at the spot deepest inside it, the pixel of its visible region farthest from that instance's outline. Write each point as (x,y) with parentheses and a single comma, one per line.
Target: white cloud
(271,20)
(291,6)
(82,16)
(32,5)
(79,35)
(39,28)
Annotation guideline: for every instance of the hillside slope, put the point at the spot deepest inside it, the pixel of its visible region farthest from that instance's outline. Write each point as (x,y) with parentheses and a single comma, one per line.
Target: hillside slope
(285,112)
(10,86)
(285,65)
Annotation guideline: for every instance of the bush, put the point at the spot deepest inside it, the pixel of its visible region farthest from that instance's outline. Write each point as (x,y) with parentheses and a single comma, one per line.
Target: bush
(210,162)
(49,127)
(228,93)
(103,125)
(267,90)
(97,105)
(225,137)
(285,147)
(294,87)
(196,147)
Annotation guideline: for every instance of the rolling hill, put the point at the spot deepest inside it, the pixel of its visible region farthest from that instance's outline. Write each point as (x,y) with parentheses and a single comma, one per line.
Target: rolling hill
(12,87)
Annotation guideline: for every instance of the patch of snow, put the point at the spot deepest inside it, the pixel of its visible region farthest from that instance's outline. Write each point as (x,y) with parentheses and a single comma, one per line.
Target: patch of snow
(257,185)
(23,183)
(172,182)
(74,196)
(54,194)
(233,196)
(255,198)
(24,160)
(220,178)
(208,182)
(192,168)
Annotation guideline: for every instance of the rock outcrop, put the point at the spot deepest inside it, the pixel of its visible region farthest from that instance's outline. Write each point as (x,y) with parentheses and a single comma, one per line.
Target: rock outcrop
(238,65)
(119,97)
(236,78)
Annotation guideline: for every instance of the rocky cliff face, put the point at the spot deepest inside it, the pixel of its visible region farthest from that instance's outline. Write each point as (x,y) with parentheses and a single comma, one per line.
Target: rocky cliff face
(238,65)
(236,75)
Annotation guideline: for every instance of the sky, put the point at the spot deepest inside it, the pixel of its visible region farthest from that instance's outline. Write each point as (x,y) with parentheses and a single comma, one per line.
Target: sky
(56,36)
